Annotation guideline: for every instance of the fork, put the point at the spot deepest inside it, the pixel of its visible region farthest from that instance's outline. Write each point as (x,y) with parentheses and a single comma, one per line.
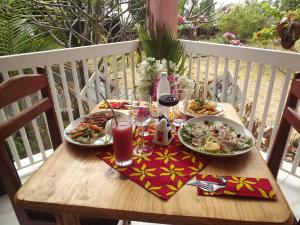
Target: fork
(209,186)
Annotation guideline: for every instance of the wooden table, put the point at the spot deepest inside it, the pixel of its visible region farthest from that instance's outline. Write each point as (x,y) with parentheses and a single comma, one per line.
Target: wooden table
(74,182)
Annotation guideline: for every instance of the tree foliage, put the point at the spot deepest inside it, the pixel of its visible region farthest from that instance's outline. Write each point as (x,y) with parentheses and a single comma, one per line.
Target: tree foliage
(17,34)
(287,5)
(244,20)
(85,22)
(285,25)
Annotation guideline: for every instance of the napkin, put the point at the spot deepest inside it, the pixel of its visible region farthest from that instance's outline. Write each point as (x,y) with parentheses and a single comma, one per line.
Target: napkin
(114,105)
(240,186)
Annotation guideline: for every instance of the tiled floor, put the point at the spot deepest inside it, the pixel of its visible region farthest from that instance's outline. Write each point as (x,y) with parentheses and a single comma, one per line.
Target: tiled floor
(290,186)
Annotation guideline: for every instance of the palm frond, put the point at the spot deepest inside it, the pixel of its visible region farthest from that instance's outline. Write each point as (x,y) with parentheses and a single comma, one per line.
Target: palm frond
(162,44)
(17,34)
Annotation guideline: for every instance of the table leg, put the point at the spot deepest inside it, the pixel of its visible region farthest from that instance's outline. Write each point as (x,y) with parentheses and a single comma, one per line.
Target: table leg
(67,219)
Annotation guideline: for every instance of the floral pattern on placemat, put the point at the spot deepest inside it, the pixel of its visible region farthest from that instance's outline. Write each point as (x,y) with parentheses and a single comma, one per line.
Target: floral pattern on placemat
(162,173)
(240,186)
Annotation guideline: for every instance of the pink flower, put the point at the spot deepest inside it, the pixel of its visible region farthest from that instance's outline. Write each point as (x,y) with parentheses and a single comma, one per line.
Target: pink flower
(181,20)
(229,35)
(172,78)
(236,42)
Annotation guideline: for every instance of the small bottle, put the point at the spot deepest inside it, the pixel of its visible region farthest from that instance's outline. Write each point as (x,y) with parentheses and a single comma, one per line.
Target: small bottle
(163,88)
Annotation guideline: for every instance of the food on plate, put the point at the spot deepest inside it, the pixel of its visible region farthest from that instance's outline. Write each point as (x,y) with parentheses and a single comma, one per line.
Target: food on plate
(202,107)
(90,128)
(214,137)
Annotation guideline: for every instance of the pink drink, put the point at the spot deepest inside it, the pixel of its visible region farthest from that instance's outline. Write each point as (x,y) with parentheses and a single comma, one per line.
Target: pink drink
(122,142)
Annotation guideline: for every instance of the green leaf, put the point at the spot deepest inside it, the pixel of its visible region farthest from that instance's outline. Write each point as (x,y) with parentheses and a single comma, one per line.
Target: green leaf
(17,33)
(162,44)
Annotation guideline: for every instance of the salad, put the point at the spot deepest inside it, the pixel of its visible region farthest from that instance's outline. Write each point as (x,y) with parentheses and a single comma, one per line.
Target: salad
(90,128)
(215,137)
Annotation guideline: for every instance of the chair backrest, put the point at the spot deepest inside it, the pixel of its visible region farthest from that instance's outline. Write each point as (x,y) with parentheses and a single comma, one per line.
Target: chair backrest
(290,118)
(12,90)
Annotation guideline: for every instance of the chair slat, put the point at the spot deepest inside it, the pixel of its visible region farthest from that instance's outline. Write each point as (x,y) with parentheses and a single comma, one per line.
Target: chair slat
(15,88)
(293,118)
(24,137)
(296,87)
(40,96)
(9,127)
(290,118)
(280,108)
(11,143)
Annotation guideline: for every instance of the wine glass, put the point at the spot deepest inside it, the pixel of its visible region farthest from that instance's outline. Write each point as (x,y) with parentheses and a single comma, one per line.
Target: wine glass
(142,118)
(180,109)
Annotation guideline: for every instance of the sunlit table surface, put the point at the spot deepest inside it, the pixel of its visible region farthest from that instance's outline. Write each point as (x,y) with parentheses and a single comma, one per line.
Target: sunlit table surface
(74,182)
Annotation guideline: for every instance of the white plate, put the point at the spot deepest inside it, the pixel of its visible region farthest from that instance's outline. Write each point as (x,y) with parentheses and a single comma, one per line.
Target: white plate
(239,129)
(101,141)
(220,108)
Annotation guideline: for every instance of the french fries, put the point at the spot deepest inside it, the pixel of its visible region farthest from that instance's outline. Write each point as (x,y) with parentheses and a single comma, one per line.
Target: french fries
(202,107)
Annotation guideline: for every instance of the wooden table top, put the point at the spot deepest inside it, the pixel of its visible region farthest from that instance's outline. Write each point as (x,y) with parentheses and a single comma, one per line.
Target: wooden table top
(74,181)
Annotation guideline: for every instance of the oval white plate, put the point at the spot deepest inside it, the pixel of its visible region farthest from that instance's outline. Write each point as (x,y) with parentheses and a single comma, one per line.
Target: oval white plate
(101,141)
(239,128)
(220,108)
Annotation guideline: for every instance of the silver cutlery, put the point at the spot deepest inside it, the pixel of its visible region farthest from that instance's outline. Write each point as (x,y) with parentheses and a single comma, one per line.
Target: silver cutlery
(223,179)
(209,186)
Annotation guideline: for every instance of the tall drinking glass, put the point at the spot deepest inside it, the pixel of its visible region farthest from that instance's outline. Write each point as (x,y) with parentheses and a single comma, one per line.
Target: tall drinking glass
(142,118)
(181,108)
(122,141)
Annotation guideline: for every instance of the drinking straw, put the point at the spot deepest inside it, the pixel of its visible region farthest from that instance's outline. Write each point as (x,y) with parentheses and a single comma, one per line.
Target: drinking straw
(113,111)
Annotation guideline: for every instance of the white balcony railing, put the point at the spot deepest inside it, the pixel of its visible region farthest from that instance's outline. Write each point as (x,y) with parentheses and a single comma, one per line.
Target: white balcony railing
(238,75)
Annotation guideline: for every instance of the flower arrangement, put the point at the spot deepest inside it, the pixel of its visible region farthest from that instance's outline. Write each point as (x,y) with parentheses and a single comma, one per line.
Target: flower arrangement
(164,52)
(149,70)
(149,77)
